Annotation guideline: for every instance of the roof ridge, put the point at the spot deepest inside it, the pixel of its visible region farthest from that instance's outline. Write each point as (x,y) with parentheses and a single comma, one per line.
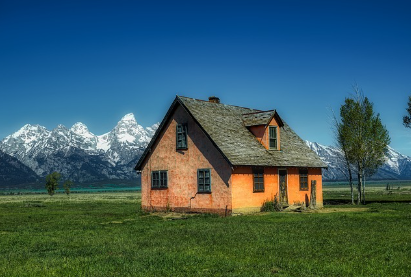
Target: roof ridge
(220,103)
(191,98)
(259,111)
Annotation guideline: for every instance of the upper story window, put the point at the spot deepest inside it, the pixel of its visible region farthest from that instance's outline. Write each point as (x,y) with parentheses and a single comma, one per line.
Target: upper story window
(303,179)
(272,136)
(159,179)
(181,136)
(258,179)
(204,180)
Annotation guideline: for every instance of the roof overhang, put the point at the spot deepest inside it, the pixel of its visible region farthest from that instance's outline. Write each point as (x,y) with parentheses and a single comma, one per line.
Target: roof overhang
(155,136)
(177,101)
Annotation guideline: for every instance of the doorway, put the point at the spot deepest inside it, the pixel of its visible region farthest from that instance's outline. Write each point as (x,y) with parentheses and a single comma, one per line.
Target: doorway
(282,173)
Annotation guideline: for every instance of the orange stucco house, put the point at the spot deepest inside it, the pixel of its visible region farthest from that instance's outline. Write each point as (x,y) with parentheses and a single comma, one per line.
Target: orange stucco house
(210,157)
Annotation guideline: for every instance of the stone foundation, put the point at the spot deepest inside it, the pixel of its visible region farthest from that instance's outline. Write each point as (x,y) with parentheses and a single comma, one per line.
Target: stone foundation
(221,212)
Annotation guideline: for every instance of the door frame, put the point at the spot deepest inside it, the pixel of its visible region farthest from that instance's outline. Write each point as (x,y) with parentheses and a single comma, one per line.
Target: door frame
(286,185)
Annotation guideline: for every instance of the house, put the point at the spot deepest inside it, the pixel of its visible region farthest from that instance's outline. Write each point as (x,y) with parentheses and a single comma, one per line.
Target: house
(210,157)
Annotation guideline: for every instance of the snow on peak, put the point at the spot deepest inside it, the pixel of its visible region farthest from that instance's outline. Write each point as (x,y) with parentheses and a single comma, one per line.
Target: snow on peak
(61,126)
(314,145)
(29,127)
(151,130)
(127,130)
(78,126)
(28,130)
(81,130)
(128,117)
(103,142)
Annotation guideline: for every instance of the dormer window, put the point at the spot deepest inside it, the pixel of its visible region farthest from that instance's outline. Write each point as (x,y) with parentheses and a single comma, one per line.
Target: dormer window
(264,125)
(272,133)
(181,136)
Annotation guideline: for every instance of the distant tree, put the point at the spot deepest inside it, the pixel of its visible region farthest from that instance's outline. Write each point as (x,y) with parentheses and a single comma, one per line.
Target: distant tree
(52,182)
(67,185)
(406,120)
(364,138)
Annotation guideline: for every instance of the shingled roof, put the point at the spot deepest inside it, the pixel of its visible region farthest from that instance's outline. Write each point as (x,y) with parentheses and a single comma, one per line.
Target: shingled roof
(226,126)
(261,118)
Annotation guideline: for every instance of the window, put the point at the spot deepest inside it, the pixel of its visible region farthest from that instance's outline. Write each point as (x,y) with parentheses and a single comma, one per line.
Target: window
(258,177)
(159,179)
(272,130)
(303,179)
(181,133)
(204,180)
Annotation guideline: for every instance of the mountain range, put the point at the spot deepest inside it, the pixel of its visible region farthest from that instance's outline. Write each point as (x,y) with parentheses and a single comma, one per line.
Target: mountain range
(78,154)
(32,152)
(13,172)
(397,166)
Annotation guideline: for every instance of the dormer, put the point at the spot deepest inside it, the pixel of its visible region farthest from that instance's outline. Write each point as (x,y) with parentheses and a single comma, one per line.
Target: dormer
(265,126)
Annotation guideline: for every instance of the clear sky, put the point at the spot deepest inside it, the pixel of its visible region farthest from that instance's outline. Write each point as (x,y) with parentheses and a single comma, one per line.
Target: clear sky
(94,61)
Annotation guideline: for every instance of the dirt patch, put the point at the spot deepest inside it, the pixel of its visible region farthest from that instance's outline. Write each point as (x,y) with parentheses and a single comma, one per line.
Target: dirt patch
(338,210)
(173,215)
(117,221)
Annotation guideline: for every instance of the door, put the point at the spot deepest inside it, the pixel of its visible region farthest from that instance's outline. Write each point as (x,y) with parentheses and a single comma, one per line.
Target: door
(283,186)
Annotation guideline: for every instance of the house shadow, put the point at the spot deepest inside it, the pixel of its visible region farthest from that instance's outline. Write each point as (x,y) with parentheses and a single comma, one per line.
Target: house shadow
(210,152)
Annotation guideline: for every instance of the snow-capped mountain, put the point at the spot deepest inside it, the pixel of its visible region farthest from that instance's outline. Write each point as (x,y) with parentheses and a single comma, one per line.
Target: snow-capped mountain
(397,166)
(79,154)
(125,141)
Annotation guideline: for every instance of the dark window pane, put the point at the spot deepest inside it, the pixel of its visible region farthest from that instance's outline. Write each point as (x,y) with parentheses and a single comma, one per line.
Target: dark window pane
(204,180)
(181,136)
(303,179)
(273,137)
(258,179)
(159,179)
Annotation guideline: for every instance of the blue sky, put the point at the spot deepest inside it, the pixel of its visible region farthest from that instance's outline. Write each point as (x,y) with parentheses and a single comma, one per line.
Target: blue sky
(94,61)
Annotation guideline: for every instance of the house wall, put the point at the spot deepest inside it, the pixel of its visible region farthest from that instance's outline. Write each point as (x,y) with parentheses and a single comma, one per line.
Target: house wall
(262,135)
(182,165)
(295,195)
(245,200)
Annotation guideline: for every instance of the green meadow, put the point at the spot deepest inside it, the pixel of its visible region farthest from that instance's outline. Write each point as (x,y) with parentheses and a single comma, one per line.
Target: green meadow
(107,234)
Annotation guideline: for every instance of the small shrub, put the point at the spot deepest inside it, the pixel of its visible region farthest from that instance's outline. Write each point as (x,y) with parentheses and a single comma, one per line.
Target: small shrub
(273,205)
(168,208)
(67,186)
(268,206)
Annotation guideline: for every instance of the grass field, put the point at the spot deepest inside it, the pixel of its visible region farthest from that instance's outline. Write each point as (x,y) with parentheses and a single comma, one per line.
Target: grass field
(106,234)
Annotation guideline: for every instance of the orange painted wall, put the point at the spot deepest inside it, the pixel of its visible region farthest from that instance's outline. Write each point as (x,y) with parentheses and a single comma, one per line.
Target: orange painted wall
(262,135)
(182,165)
(242,187)
(295,195)
(244,197)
